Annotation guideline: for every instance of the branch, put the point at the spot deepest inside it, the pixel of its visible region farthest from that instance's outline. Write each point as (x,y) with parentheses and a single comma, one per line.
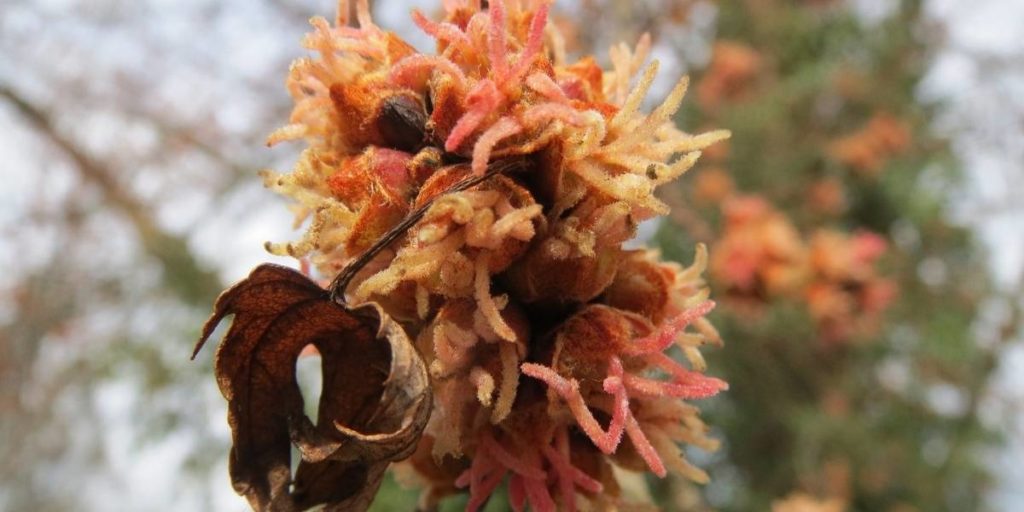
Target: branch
(192,281)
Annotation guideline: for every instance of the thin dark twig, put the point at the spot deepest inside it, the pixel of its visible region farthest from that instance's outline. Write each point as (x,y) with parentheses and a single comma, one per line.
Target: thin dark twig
(341,282)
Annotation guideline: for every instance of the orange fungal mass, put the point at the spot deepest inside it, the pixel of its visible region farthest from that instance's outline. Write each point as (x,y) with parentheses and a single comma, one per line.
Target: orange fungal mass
(550,347)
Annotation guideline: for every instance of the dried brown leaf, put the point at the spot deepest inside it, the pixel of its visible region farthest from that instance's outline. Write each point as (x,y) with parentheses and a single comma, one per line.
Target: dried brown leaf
(373,407)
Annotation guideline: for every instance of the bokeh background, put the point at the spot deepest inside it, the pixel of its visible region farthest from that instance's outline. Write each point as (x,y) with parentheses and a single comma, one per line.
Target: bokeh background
(866,227)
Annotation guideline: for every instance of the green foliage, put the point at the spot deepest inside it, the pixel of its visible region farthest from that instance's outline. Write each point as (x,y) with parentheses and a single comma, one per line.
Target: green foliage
(860,420)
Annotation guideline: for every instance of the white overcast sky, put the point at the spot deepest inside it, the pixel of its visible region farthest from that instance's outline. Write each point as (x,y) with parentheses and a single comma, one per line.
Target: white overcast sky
(233,242)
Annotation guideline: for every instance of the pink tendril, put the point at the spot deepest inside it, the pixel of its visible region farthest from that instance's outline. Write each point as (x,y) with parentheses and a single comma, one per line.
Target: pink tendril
(684,384)
(644,448)
(504,128)
(537,493)
(409,69)
(569,390)
(496,39)
(538,114)
(533,42)
(545,85)
(569,477)
(491,463)
(440,30)
(701,386)
(665,335)
(481,101)
(510,461)
(706,387)
(516,494)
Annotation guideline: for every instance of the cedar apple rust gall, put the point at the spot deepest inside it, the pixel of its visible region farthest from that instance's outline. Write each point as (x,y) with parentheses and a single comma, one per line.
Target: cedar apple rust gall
(477,199)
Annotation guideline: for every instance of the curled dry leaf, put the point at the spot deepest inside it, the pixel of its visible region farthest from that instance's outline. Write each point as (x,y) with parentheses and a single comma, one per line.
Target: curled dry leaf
(374,405)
